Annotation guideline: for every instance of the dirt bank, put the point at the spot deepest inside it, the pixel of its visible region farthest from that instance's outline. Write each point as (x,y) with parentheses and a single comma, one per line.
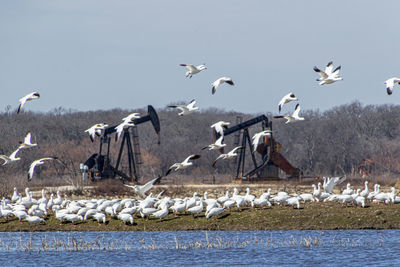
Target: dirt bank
(316,216)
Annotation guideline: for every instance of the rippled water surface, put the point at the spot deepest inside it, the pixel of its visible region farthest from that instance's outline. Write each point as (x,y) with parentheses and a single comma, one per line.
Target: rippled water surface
(199,248)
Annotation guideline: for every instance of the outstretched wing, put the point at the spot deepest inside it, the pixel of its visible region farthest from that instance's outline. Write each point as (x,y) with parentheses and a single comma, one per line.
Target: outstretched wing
(191,157)
(146,187)
(321,73)
(191,104)
(336,71)
(296,111)
(189,66)
(329,68)
(215,161)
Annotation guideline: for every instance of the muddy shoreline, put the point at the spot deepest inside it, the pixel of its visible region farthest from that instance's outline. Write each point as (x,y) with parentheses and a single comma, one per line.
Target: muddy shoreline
(311,216)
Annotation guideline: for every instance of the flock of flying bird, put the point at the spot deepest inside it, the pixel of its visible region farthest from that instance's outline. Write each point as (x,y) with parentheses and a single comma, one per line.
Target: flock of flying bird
(328,76)
(148,206)
(26,143)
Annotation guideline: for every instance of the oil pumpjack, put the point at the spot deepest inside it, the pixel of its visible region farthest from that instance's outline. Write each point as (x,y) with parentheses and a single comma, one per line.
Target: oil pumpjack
(269,151)
(100,166)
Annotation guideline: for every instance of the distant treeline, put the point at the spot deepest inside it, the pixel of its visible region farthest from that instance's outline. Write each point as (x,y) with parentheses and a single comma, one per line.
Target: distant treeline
(349,139)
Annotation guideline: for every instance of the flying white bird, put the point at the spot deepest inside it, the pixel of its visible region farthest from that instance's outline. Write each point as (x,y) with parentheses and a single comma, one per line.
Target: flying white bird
(217,145)
(126,123)
(292,118)
(193,69)
(328,76)
(230,155)
(220,126)
(27,141)
(36,163)
(220,81)
(28,97)
(390,84)
(257,136)
(96,130)
(186,110)
(12,157)
(286,99)
(131,117)
(120,128)
(141,190)
(183,165)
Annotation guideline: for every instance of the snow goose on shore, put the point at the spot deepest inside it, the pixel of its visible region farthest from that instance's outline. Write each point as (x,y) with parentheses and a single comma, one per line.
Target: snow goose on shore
(365,192)
(126,218)
(214,212)
(293,201)
(386,197)
(15,195)
(193,69)
(196,209)
(34,219)
(28,97)
(162,212)
(348,190)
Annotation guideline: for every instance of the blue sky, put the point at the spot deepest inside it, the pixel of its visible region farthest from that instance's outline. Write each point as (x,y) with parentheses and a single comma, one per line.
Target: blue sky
(89,55)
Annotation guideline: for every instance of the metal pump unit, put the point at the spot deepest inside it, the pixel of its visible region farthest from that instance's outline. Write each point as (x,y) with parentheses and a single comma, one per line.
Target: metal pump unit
(271,159)
(99,165)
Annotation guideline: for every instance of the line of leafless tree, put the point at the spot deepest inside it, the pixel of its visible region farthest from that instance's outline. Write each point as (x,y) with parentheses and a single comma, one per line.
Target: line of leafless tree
(352,139)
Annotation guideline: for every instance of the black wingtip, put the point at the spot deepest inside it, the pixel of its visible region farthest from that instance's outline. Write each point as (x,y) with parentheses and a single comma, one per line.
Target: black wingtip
(213,90)
(230,82)
(19,109)
(338,68)
(329,63)
(158,179)
(182,65)
(168,172)
(297,106)
(389,92)
(316,69)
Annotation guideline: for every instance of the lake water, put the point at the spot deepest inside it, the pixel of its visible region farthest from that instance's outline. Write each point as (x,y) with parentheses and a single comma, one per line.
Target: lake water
(200,248)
